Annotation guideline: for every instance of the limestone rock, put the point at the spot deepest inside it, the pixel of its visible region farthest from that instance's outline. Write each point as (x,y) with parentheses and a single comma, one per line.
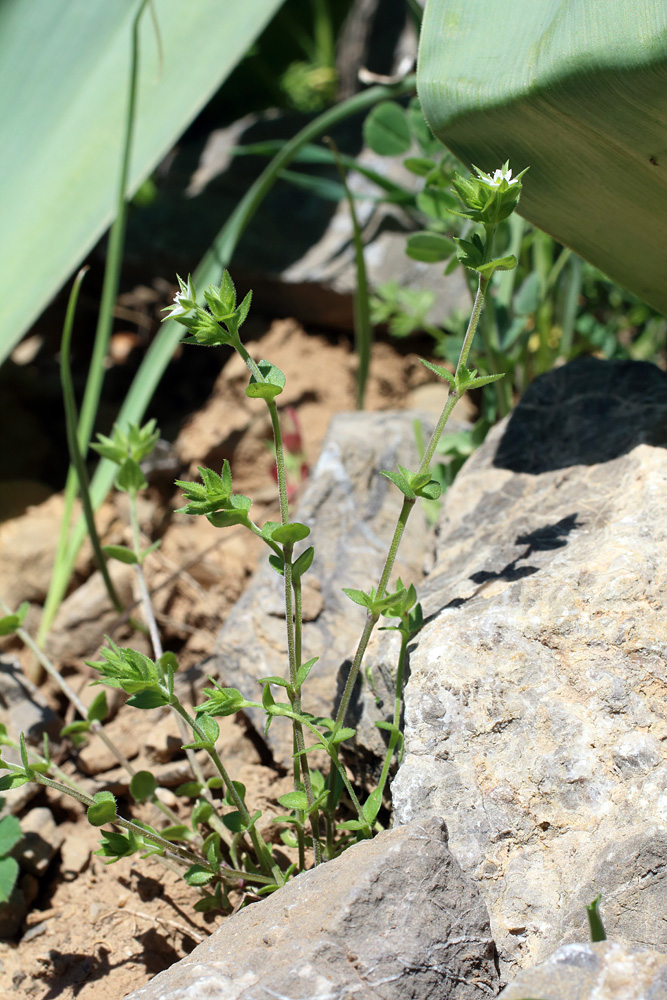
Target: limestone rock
(535,711)
(604,971)
(352,514)
(391,918)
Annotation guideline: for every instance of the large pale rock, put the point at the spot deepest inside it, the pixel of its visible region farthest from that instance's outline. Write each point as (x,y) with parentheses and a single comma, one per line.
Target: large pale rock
(536,716)
(352,512)
(604,971)
(391,918)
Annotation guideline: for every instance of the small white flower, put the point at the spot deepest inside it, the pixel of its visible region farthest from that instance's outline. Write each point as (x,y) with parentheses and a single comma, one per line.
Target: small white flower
(504,173)
(183,299)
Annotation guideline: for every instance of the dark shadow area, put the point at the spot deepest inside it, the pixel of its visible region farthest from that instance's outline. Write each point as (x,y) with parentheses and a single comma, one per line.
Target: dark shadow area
(587,412)
(545,539)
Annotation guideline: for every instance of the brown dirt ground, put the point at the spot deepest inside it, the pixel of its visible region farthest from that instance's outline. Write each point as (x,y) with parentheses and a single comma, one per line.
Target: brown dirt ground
(104,931)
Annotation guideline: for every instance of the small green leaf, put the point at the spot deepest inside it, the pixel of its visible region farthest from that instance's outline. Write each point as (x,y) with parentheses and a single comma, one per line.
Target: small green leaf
(142,786)
(303,563)
(386,129)
(372,805)
(358,596)
(272,386)
(475,383)
(9,871)
(234,822)
(9,623)
(198,875)
(268,528)
(10,833)
(595,923)
(343,734)
(189,788)
(103,809)
(400,481)
(294,800)
(201,812)
(240,789)
(431,248)
(130,478)
(177,832)
(439,370)
(304,670)
(289,534)
(12,781)
(418,165)
(121,553)
(152,698)
(500,264)
(277,563)
(80,726)
(430,491)
(98,708)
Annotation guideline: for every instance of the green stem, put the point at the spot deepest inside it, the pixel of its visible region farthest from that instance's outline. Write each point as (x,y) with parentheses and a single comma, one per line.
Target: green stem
(76,458)
(398,704)
(261,849)
(218,257)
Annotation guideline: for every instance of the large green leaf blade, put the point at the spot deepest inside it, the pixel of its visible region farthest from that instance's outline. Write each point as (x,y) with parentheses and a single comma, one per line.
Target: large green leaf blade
(64,77)
(576,90)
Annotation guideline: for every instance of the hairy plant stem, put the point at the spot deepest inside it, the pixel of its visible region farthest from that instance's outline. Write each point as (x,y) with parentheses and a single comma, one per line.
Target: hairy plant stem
(301,766)
(398,705)
(453,397)
(154,633)
(261,849)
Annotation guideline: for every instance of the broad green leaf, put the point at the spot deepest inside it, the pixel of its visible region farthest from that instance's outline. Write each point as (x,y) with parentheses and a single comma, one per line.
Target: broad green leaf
(198,875)
(142,786)
(294,800)
(63,93)
(272,386)
(429,247)
(386,129)
(289,534)
(578,92)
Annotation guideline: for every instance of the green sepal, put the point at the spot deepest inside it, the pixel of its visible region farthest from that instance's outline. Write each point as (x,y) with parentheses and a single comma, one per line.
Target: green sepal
(130,478)
(9,623)
(142,786)
(439,370)
(289,534)
(198,875)
(103,809)
(272,386)
(121,553)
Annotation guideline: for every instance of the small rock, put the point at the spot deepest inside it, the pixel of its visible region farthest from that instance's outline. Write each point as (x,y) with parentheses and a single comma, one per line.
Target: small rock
(74,857)
(41,839)
(607,970)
